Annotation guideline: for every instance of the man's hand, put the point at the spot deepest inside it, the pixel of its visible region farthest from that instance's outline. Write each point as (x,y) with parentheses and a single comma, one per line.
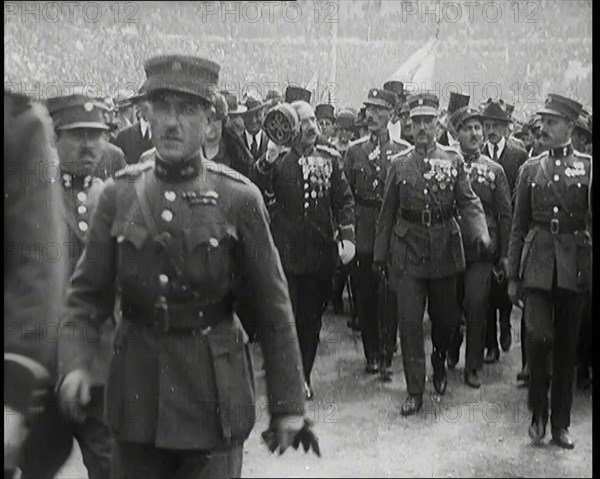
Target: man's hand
(273,152)
(74,394)
(15,432)
(346,250)
(286,431)
(515,293)
(483,243)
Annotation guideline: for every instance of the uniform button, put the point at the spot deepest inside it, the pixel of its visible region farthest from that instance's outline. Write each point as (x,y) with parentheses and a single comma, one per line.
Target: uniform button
(200,314)
(555,209)
(557,162)
(81,196)
(83,226)
(166,215)
(306,186)
(81,209)
(425,191)
(555,177)
(214,242)
(163,278)
(306,205)
(120,238)
(306,194)
(170,195)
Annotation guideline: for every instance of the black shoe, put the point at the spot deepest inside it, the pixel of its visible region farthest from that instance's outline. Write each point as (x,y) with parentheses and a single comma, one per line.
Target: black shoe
(537,430)
(440,379)
(583,378)
(308,391)
(453,356)
(412,405)
(505,338)
(372,367)
(561,438)
(386,371)
(523,375)
(491,356)
(472,378)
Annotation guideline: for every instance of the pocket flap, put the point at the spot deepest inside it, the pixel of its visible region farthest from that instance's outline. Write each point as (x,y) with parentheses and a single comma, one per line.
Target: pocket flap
(129,231)
(210,234)
(401,229)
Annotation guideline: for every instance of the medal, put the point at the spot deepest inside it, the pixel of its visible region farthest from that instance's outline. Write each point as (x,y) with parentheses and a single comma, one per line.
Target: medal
(313,195)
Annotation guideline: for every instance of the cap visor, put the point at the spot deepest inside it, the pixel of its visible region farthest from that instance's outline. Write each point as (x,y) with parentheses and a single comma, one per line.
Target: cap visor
(381,103)
(548,111)
(84,124)
(423,111)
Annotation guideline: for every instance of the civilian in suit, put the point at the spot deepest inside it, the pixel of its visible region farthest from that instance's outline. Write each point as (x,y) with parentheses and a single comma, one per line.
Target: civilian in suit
(510,156)
(254,137)
(136,139)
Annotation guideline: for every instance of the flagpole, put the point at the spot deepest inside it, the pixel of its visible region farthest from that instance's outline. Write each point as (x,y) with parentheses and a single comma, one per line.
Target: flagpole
(334,35)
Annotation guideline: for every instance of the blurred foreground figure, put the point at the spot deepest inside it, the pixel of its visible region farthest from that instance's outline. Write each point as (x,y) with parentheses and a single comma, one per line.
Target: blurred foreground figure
(550,264)
(175,233)
(35,267)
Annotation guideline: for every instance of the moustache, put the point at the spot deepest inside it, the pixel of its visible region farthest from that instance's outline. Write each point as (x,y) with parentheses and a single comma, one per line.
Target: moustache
(474,138)
(87,152)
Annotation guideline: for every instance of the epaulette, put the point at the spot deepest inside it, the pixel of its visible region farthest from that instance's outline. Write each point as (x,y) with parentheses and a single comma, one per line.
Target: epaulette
(134,169)
(448,148)
(225,170)
(580,154)
(402,153)
(147,154)
(402,142)
(359,140)
(329,150)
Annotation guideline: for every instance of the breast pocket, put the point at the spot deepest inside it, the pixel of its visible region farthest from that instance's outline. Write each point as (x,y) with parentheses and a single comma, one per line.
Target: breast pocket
(577,193)
(132,248)
(364,178)
(210,256)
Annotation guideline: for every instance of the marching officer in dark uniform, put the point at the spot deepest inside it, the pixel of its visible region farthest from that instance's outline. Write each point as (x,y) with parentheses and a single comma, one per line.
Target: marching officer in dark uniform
(490,185)
(312,210)
(510,156)
(366,164)
(175,232)
(550,264)
(35,271)
(419,245)
(83,167)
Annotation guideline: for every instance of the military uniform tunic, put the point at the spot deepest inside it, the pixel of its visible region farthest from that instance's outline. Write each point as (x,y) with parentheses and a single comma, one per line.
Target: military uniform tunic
(182,379)
(550,253)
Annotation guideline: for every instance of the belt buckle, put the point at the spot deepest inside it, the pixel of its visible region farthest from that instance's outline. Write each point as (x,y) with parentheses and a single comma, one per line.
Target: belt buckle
(161,318)
(426,217)
(554,226)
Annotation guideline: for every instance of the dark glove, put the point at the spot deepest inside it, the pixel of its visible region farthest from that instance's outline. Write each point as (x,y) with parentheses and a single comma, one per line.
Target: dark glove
(281,436)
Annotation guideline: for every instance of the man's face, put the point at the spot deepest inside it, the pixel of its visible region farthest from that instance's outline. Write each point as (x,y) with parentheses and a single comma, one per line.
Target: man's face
(440,126)
(555,131)
(254,121)
(143,110)
(214,132)
(237,124)
(495,130)
(377,118)
(424,129)
(308,126)
(326,127)
(179,123)
(127,115)
(344,135)
(406,128)
(80,150)
(470,135)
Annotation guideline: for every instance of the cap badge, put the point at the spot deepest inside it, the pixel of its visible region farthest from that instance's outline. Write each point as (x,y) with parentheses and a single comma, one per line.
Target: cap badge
(420,101)
(549,99)
(88,106)
(374,92)
(176,67)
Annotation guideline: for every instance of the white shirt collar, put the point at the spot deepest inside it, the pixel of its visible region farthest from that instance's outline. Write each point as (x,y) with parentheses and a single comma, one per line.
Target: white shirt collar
(501,145)
(145,126)
(250,139)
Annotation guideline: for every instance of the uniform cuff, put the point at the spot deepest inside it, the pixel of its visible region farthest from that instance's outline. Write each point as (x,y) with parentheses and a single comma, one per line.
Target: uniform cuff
(347,233)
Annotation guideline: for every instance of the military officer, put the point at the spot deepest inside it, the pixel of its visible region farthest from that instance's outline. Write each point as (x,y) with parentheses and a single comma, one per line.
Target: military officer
(175,232)
(366,164)
(550,253)
(312,209)
(419,245)
(34,277)
(79,124)
(491,186)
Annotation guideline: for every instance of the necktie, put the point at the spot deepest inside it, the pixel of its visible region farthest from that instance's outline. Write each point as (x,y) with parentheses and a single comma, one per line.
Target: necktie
(495,158)
(254,147)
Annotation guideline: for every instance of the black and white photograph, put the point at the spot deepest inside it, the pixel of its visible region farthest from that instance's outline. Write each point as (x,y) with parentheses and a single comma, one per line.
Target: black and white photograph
(312,238)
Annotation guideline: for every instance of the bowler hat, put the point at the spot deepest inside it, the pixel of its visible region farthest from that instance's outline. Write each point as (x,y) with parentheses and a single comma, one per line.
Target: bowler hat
(181,73)
(345,119)
(233,107)
(494,110)
(253,103)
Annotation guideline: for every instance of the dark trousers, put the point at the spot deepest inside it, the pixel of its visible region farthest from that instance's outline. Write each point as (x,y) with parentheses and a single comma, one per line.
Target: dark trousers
(376,312)
(309,293)
(49,443)
(145,461)
(584,347)
(411,294)
(553,319)
(474,288)
(499,304)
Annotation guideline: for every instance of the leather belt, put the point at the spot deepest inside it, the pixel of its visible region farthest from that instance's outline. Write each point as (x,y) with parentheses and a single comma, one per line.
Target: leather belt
(194,315)
(428,217)
(368,202)
(555,226)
